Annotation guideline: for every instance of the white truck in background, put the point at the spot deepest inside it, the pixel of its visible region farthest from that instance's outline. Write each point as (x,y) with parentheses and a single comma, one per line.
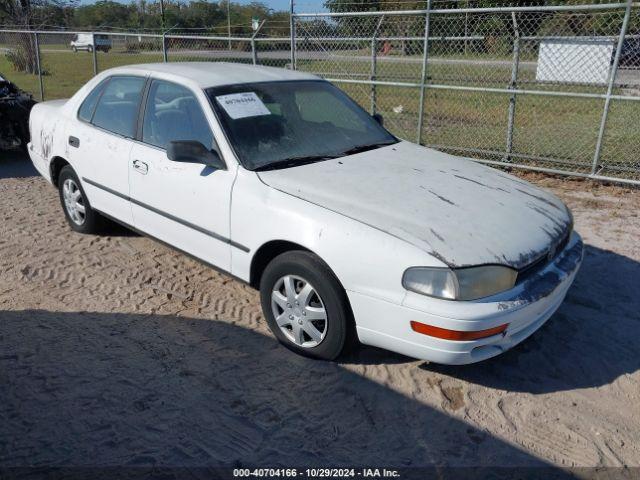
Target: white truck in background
(87,41)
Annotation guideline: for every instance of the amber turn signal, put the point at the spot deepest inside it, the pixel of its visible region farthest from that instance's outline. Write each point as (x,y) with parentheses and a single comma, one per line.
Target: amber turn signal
(457,335)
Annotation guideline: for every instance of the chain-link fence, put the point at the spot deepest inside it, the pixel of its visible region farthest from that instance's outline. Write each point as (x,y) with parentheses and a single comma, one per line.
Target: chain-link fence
(546,88)
(55,64)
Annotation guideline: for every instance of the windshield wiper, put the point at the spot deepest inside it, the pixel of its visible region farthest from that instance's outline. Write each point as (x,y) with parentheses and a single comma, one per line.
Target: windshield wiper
(293,162)
(367,147)
(305,160)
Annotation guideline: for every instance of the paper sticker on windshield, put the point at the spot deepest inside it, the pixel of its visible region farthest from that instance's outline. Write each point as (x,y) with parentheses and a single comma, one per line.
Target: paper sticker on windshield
(243,105)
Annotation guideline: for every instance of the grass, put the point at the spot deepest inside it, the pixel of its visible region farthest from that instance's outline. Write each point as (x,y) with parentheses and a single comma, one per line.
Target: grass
(560,128)
(66,72)
(563,131)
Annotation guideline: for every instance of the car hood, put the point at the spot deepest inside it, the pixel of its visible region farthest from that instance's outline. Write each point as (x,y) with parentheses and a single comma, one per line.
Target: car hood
(457,210)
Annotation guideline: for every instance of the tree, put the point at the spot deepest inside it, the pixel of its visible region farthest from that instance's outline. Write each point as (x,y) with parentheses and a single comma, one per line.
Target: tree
(494,26)
(105,12)
(27,14)
(31,13)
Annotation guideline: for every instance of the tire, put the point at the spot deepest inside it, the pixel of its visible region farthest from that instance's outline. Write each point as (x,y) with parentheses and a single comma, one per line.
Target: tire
(88,221)
(302,273)
(90,49)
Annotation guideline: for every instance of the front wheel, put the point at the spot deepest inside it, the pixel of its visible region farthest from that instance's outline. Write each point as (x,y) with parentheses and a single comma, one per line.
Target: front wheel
(305,306)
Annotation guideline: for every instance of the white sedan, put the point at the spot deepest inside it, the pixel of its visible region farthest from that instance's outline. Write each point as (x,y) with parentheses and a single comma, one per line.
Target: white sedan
(280,179)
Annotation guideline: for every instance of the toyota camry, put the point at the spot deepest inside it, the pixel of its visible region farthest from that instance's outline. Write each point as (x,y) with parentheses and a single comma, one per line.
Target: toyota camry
(280,179)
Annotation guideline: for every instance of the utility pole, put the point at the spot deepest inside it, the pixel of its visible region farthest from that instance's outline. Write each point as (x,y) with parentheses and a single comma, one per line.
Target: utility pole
(162,23)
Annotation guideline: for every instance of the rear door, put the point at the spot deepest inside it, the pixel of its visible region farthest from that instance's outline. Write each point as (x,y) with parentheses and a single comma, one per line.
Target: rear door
(183,204)
(101,141)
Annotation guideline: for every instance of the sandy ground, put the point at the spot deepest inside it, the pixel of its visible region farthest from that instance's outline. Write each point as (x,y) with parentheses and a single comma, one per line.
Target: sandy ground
(115,350)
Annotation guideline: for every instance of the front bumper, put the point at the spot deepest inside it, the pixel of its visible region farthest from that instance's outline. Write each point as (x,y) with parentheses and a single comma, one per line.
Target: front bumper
(525,308)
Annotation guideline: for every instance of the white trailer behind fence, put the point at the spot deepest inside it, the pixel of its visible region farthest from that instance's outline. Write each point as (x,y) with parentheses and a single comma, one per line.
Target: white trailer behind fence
(575,60)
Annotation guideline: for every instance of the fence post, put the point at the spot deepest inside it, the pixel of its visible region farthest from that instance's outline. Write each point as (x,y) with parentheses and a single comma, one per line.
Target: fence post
(39,66)
(254,53)
(612,79)
(372,76)
(374,64)
(292,27)
(165,56)
(425,58)
(95,54)
(513,85)
(466,30)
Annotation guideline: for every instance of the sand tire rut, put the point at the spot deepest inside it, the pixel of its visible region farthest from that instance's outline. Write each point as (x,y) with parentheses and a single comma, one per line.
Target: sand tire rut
(121,350)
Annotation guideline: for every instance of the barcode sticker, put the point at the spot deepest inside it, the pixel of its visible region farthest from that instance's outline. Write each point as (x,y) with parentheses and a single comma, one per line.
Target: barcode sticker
(243,105)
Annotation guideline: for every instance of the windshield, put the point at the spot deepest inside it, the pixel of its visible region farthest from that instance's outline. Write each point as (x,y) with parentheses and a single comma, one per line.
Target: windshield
(284,124)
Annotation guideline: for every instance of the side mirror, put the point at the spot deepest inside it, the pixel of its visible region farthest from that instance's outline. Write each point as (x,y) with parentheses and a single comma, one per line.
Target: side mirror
(379,118)
(190,151)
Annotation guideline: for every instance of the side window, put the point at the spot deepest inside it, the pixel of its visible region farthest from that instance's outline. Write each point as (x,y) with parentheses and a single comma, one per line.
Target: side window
(89,105)
(173,113)
(117,109)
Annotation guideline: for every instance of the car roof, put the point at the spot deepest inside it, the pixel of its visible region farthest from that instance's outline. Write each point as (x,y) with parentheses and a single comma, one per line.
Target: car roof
(212,74)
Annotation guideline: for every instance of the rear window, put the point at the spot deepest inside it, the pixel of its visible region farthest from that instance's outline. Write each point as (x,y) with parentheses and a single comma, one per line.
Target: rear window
(89,105)
(117,109)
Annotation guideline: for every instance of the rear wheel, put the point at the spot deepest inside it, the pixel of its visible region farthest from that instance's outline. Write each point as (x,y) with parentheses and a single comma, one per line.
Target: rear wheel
(77,210)
(305,305)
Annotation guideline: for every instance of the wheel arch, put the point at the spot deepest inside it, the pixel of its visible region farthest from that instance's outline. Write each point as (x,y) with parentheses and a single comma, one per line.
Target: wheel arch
(270,250)
(55,166)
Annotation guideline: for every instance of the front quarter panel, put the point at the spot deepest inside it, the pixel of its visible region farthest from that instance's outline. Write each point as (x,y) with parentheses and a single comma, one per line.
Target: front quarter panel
(365,259)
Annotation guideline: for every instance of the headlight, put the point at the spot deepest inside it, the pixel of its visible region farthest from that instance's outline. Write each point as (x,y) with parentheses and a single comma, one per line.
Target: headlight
(459,284)
(435,282)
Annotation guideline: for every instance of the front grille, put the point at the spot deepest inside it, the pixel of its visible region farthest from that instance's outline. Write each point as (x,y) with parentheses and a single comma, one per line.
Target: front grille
(540,263)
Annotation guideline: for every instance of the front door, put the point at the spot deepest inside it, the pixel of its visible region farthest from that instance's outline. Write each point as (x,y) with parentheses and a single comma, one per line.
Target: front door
(183,204)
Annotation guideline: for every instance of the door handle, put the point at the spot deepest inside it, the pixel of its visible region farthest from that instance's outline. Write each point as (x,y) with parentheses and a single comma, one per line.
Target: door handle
(141,167)
(74,142)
